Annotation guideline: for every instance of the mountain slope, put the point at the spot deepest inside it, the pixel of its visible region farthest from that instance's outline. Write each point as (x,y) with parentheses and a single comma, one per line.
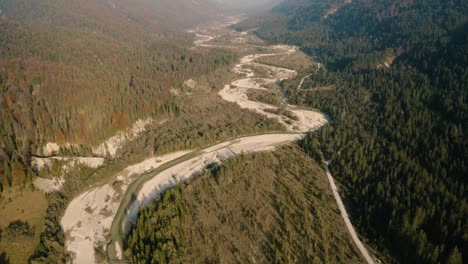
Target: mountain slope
(338,31)
(79,73)
(88,12)
(270,207)
(71,70)
(394,83)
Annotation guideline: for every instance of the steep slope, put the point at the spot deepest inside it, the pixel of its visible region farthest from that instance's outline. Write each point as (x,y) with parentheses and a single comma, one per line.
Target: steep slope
(270,208)
(339,32)
(394,82)
(77,71)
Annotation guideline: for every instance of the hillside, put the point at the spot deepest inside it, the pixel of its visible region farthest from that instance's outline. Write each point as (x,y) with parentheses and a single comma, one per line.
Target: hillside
(106,104)
(112,13)
(340,32)
(87,78)
(394,81)
(78,71)
(271,208)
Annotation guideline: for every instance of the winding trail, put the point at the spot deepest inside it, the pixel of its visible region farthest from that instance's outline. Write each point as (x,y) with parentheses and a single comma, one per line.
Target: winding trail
(299,87)
(103,214)
(344,215)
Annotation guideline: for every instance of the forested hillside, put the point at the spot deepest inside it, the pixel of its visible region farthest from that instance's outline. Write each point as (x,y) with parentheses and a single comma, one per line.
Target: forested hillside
(394,82)
(273,207)
(341,32)
(78,71)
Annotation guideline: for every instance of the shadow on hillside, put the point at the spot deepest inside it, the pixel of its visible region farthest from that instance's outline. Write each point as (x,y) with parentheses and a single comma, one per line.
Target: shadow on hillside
(4,258)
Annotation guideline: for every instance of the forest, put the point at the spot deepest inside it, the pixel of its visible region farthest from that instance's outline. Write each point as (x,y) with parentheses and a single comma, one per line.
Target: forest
(184,131)
(391,74)
(76,73)
(272,207)
(79,79)
(397,142)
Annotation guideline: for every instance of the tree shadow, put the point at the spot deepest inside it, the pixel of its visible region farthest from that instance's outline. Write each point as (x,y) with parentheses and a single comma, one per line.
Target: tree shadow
(4,258)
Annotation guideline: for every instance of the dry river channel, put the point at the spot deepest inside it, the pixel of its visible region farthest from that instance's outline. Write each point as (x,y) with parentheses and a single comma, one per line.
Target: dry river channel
(103,216)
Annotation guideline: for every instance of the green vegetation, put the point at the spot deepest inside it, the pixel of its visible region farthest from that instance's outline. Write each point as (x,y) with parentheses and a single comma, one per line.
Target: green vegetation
(318,80)
(394,84)
(398,137)
(297,60)
(273,207)
(269,97)
(282,111)
(401,160)
(362,32)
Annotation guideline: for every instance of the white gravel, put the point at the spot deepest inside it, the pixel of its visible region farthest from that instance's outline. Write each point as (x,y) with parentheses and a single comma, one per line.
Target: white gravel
(185,170)
(48,185)
(110,146)
(113,144)
(88,218)
(66,165)
(92,162)
(50,148)
(237,91)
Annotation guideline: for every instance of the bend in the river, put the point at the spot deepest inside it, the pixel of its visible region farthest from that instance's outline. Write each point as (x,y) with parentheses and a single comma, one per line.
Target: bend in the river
(174,168)
(145,189)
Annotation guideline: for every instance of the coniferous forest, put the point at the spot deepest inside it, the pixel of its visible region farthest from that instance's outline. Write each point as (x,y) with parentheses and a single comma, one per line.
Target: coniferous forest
(397,79)
(285,216)
(391,75)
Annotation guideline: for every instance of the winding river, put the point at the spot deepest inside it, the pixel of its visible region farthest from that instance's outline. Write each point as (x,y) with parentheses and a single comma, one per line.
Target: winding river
(104,214)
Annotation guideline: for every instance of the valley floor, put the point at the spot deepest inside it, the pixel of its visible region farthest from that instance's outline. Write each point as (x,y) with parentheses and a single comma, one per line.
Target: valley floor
(104,213)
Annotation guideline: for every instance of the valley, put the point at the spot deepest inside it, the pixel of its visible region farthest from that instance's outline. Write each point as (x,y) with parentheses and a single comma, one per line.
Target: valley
(106,211)
(177,131)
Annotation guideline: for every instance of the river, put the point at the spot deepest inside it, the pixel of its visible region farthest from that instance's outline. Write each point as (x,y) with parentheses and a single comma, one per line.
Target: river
(85,224)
